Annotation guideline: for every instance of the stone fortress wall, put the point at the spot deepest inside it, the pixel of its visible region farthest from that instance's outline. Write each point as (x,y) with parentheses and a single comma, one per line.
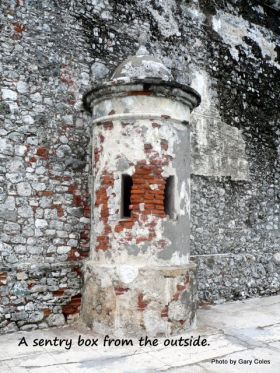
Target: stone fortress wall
(52,52)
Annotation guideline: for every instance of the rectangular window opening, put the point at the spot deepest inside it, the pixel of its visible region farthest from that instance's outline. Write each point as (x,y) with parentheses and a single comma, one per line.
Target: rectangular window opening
(169,193)
(126,196)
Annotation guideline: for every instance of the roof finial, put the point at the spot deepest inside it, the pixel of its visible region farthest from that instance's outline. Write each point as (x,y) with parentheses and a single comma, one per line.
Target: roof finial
(142,50)
(142,65)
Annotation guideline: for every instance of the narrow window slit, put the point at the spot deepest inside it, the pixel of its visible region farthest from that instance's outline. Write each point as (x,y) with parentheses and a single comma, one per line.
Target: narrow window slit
(126,196)
(169,191)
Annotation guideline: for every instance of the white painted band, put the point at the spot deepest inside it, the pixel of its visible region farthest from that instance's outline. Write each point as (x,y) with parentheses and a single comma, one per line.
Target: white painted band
(137,116)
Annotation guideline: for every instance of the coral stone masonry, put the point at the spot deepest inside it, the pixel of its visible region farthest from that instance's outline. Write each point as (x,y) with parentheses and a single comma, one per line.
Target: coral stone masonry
(59,156)
(139,279)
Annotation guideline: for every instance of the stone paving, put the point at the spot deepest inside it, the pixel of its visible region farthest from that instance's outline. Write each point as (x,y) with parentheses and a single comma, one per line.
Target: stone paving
(244,332)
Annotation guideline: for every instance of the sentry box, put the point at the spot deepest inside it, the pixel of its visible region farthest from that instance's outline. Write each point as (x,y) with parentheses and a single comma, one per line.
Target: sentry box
(139,280)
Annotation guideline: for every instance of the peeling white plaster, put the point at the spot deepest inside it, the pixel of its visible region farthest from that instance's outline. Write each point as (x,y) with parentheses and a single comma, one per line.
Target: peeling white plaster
(127,273)
(141,206)
(121,146)
(232,29)
(217,148)
(184,198)
(154,324)
(166,22)
(132,150)
(179,259)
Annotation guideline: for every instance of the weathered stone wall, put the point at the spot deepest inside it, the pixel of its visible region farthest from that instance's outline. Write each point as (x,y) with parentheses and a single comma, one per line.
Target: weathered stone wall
(44,208)
(51,53)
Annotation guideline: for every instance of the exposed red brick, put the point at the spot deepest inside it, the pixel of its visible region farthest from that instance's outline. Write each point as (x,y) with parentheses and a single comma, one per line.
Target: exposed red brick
(162,243)
(119,228)
(60,211)
(84,235)
(120,290)
(101,199)
(58,293)
(141,193)
(3,278)
(164,312)
(139,93)
(30,284)
(58,207)
(156,125)
(73,254)
(84,254)
(73,307)
(127,224)
(77,270)
(108,125)
(18,27)
(159,207)
(142,304)
(141,239)
(47,312)
(180,287)
(159,162)
(141,163)
(96,155)
(107,229)
(60,178)
(187,279)
(42,152)
(77,200)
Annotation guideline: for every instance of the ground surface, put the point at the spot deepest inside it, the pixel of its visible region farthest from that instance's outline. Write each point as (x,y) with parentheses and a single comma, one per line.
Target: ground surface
(240,331)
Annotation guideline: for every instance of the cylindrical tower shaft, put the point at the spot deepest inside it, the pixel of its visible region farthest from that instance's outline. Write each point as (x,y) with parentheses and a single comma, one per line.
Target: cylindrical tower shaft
(139,278)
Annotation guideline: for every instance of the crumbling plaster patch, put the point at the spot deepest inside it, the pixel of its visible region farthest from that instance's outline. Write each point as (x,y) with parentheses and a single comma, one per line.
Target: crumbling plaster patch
(124,144)
(167,23)
(150,300)
(217,148)
(233,29)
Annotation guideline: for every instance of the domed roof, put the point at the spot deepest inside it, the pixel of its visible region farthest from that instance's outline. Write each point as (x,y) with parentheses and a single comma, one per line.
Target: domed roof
(141,66)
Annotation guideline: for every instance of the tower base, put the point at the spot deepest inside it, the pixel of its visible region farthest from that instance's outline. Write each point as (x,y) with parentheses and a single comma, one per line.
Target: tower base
(126,300)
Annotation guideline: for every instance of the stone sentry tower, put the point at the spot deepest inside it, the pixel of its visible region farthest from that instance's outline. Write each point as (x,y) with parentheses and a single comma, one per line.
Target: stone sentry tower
(139,280)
